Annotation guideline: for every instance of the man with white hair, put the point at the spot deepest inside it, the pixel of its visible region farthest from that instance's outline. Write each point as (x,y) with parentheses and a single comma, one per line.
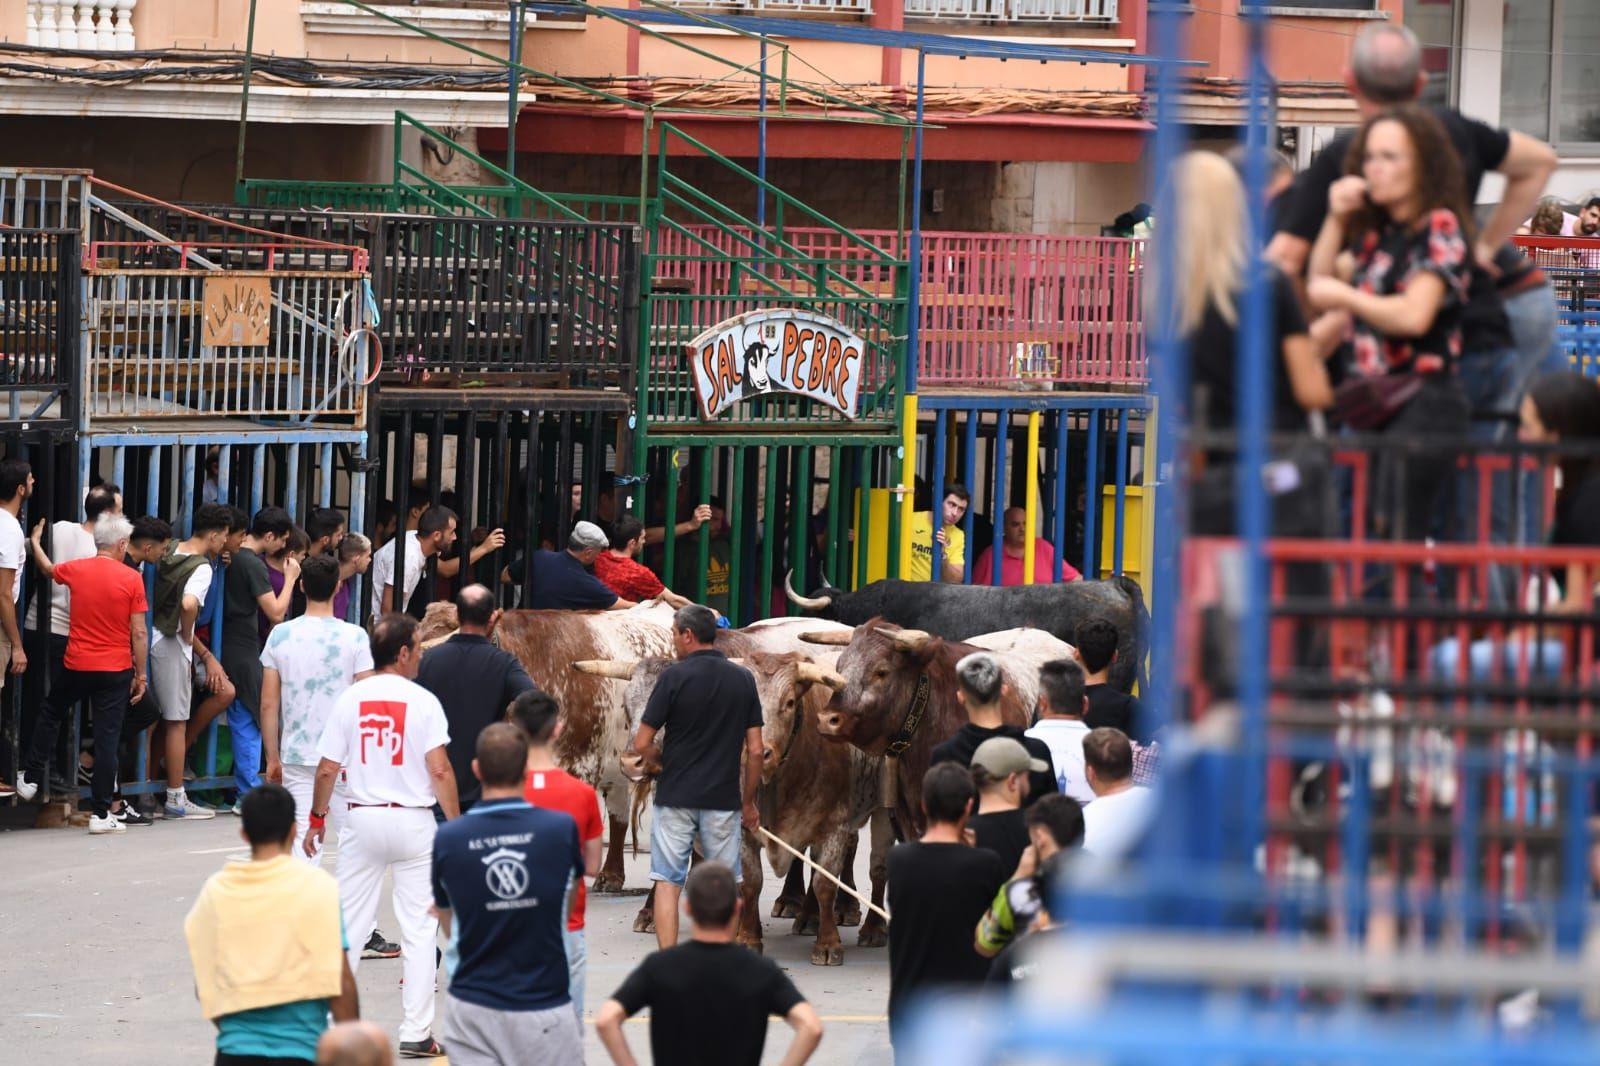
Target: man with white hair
(105,662)
(562,580)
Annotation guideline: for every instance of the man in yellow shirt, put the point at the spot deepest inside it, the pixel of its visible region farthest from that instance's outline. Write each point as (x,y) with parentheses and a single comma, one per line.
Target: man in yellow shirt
(953,508)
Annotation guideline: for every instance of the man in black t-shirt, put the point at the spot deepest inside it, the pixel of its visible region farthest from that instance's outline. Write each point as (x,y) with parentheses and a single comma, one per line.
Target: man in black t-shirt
(1000,769)
(1095,641)
(978,685)
(712,716)
(709,999)
(938,889)
(247,590)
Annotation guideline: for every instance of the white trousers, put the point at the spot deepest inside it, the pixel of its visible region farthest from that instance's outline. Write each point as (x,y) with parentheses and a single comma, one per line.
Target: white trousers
(301,781)
(399,840)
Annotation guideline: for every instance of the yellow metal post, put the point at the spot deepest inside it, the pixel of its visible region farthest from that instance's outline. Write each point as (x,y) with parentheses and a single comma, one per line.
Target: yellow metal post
(908,482)
(1030,507)
(1152,485)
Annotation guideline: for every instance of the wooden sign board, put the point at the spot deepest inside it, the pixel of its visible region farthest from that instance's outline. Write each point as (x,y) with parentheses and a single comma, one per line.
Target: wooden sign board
(778,349)
(236,312)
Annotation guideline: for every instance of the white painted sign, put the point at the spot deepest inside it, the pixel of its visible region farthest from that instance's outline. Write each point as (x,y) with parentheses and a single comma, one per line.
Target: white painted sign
(778,349)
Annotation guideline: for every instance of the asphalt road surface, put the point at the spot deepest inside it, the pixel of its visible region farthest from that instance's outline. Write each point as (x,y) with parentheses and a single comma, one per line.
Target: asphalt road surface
(97,971)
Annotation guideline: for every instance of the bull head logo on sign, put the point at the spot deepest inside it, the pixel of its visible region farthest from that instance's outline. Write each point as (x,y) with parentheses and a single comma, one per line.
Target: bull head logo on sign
(753,361)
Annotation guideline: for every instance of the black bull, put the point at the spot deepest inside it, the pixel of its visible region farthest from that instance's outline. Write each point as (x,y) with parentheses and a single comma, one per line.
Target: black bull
(959,612)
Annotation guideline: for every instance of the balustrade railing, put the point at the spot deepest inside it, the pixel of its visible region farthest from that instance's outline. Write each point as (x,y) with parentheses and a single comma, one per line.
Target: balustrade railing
(82,25)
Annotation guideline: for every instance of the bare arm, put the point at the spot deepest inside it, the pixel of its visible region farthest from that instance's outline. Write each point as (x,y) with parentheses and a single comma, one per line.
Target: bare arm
(321,795)
(1308,374)
(276,605)
(493,542)
(271,689)
(139,644)
(443,914)
(347,1006)
(645,739)
(40,559)
(1527,167)
(753,747)
(621,604)
(802,1018)
(388,598)
(608,1026)
(8,621)
(444,782)
(591,857)
(1408,313)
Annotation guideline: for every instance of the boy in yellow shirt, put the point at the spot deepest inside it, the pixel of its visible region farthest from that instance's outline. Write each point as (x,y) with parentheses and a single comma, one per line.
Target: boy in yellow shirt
(953,508)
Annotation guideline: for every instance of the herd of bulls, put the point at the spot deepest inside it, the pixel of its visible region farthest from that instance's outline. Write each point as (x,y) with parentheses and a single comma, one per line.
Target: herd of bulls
(853,705)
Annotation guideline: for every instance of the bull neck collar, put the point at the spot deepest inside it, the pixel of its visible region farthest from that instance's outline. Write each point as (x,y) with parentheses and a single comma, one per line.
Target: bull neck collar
(914,715)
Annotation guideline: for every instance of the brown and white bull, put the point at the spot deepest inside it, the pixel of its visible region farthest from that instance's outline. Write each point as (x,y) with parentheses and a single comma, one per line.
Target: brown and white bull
(818,795)
(546,643)
(899,697)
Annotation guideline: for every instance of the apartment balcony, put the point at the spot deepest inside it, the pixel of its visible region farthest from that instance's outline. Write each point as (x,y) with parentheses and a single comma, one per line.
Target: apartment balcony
(84,25)
(1086,11)
(783,7)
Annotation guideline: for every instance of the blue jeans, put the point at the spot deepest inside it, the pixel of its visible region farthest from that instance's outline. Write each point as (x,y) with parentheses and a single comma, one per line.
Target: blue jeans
(246,747)
(1532,317)
(672,835)
(577,968)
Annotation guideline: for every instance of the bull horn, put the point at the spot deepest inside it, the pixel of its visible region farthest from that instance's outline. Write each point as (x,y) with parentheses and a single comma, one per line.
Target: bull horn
(912,640)
(838,638)
(810,603)
(620,669)
(813,674)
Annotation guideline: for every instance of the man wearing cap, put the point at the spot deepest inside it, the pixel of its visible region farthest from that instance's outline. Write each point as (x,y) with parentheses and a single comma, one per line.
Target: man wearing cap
(562,580)
(1000,769)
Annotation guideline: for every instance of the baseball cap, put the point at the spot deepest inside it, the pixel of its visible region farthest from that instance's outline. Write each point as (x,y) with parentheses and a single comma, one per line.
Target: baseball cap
(586,535)
(1001,756)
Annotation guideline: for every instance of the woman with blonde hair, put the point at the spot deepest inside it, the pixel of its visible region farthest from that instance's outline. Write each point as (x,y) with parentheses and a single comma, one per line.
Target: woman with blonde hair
(1211,251)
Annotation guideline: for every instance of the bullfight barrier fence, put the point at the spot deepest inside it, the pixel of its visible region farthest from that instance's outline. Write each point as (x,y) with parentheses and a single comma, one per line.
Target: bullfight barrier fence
(1424,769)
(40,326)
(165,474)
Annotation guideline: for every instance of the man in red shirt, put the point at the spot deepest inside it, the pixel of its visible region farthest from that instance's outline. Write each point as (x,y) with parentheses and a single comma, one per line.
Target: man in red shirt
(105,662)
(1011,559)
(619,569)
(549,786)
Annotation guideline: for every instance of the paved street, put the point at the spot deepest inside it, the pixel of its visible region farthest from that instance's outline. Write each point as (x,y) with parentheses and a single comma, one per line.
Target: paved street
(98,973)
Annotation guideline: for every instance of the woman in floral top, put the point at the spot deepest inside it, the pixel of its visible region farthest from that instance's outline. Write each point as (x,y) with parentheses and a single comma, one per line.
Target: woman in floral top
(1393,255)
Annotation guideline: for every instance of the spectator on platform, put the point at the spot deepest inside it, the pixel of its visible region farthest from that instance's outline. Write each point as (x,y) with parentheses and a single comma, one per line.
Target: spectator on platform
(183,584)
(1061,725)
(1054,825)
(355,557)
(719,560)
(562,581)
(385,522)
(1000,769)
(211,489)
(1095,642)
(619,569)
(1122,809)
(978,686)
(436,530)
(1588,219)
(474,680)
(247,594)
(267,945)
(1045,570)
(709,998)
(949,534)
(1558,409)
(938,889)
(1550,219)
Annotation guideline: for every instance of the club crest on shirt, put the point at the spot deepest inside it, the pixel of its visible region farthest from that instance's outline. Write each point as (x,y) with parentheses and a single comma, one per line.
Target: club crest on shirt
(382,728)
(507,873)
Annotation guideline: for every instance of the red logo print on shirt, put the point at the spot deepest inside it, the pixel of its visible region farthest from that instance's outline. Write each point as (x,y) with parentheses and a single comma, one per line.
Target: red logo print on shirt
(382,724)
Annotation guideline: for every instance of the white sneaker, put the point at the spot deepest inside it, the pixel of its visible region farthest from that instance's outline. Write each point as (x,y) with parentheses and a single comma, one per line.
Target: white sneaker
(105,824)
(25,788)
(187,810)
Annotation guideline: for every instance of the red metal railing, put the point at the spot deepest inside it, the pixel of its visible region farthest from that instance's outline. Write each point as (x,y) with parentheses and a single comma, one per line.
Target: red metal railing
(1463,719)
(996,309)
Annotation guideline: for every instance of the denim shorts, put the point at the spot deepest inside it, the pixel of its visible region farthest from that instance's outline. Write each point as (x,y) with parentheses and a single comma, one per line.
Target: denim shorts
(672,835)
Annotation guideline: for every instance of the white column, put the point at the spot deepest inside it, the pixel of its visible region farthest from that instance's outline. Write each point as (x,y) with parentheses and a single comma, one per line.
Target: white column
(66,22)
(124,25)
(86,24)
(33,22)
(105,33)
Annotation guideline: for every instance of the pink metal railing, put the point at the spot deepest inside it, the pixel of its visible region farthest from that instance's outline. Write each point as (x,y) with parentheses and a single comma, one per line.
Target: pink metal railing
(996,309)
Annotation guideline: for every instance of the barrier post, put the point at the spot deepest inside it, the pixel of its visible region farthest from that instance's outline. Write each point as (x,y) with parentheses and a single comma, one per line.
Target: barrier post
(900,561)
(1030,499)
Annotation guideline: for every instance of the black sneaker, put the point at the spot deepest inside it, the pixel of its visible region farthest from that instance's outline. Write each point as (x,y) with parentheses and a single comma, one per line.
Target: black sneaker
(130,815)
(426,1048)
(379,948)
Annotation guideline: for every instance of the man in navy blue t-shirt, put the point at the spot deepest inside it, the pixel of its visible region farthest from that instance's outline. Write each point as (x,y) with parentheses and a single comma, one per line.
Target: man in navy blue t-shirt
(562,580)
(503,871)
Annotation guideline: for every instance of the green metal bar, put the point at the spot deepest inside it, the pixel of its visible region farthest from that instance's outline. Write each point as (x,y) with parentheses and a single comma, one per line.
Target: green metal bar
(703,552)
(800,512)
(836,461)
(770,526)
(244,96)
(864,533)
(669,532)
(736,556)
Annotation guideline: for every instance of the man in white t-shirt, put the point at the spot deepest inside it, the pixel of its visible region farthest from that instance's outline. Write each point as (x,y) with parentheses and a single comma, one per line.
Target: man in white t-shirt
(1122,810)
(307,664)
(389,736)
(183,581)
(1061,726)
(16,485)
(436,531)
